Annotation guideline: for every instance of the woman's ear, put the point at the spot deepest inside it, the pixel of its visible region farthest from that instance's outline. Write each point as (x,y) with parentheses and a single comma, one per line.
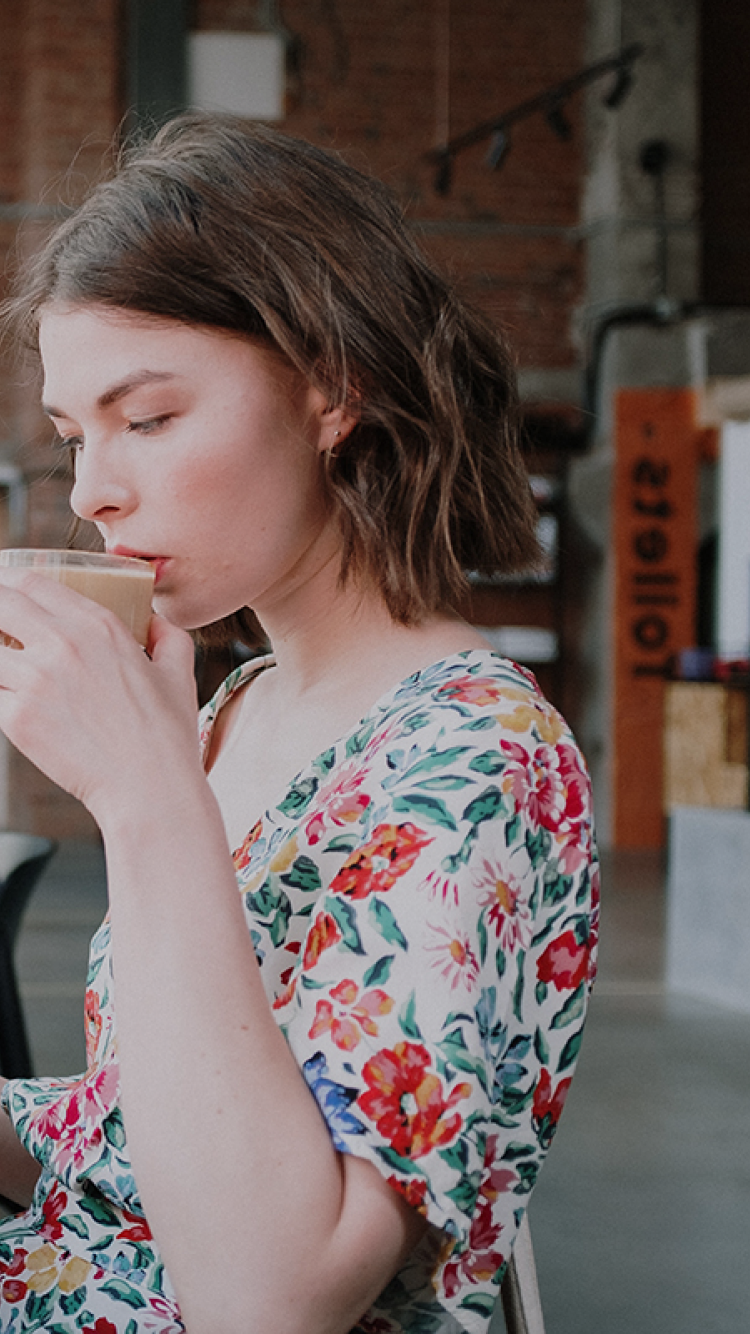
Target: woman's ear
(335,425)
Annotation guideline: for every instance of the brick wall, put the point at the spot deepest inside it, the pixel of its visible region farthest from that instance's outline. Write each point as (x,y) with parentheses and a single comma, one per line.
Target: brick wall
(383,83)
(372,83)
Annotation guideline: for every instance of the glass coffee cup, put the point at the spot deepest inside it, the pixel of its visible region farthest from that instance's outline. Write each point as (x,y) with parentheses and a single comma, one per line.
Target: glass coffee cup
(124,584)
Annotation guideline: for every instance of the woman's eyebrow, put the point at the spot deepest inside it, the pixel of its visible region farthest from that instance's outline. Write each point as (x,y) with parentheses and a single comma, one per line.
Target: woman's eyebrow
(118,390)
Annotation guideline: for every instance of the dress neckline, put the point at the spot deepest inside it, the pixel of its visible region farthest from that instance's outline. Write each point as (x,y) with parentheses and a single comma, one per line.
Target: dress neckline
(246,672)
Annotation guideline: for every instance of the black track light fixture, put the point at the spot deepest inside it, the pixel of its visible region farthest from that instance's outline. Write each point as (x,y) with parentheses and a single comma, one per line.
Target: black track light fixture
(550,103)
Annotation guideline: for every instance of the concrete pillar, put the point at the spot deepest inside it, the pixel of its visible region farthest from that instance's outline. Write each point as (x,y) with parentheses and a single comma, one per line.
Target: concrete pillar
(626,247)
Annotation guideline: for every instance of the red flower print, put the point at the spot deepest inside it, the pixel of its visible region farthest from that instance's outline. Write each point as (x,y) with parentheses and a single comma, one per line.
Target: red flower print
(14,1291)
(52,1210)
(506,903)
(375,867)
(472,690)
(101,1326)
(17,1265)
(455,959)
(346,1015)
(498,1179)
(413,1191)
(93,1023)
(74,1119)
(576,781)
(547,1103)
(407,1103)
(547,1106)
(481,1259)
(565,962)
(549,786)
(241,856)
(443,887)
(138,1229)
(339,802)
(322,934)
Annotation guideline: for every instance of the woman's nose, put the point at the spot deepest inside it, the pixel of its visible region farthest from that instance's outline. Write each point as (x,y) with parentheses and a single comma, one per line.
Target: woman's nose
(99,490)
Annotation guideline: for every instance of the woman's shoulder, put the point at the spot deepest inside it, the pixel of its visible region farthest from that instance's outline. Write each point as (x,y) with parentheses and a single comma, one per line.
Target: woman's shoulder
(229,687)
(475,690)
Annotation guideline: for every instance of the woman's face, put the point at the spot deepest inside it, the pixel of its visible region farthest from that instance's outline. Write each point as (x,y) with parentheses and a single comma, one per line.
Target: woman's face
(195,448)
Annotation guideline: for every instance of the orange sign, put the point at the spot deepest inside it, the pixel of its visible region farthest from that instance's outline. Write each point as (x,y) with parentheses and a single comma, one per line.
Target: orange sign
(655,540)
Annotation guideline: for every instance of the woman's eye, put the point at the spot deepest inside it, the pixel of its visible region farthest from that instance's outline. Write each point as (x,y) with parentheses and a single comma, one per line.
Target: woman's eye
(147,425)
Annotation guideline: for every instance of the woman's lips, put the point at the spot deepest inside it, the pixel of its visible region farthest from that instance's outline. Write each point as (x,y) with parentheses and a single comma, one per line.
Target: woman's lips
(158,562)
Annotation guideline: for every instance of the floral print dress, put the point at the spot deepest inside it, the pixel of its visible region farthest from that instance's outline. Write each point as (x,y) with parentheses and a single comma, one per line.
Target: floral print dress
(423,904)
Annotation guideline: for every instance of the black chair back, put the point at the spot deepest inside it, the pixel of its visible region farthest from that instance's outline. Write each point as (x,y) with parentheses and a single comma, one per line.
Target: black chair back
(23,857)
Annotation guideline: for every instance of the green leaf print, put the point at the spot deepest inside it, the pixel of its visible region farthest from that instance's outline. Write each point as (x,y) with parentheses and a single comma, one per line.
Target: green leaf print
(572,1009)
(482,939)
(78,1225)
(385,923)
(541,1047)
(402,1165)
(512,830)
(114,1130)
(464,1195)
(156,1282)
(278,928)
(479,1302)
(343,843)
(299,797)
(434,759)
(99,1210)
(515,1101)
(514,1151)
(70,1302)
(265,900)
(345,918)
(556,886)
(326,760)
(407,1019)
(380,970)
(484,807)
(489,762)
(303,874)
(518,989)
(456,1156)
(538,846)
(444,783)
(415,722)
(124,1292)
(570,1051)
(357,742)
(478,725)
(39,1307)
(528,1173)
(453,863)
(431,809)
(454,1049)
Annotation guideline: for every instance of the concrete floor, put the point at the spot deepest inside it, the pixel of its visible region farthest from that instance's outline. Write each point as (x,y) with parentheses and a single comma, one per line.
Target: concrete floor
(641,1220)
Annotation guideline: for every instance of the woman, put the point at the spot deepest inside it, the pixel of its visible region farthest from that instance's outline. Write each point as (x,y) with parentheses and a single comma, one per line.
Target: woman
(335,1089)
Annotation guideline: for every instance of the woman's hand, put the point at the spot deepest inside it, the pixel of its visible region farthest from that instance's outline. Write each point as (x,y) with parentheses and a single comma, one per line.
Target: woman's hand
(83,701)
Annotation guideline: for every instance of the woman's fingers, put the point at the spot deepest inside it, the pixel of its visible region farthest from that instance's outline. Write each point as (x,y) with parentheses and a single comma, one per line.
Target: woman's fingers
(32,604)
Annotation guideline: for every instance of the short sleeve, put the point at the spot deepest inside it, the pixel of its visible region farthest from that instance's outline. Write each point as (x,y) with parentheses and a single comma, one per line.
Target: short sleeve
(437,1004)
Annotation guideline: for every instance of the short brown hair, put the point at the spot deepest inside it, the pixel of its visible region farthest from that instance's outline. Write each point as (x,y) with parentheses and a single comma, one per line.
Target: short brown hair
(225,224)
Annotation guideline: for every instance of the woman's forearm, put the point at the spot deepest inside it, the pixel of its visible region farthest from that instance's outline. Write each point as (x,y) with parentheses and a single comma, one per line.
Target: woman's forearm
(18,1170)
(234,1163)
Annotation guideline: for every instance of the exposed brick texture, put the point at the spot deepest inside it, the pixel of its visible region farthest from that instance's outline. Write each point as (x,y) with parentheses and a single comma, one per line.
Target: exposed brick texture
(382,83)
